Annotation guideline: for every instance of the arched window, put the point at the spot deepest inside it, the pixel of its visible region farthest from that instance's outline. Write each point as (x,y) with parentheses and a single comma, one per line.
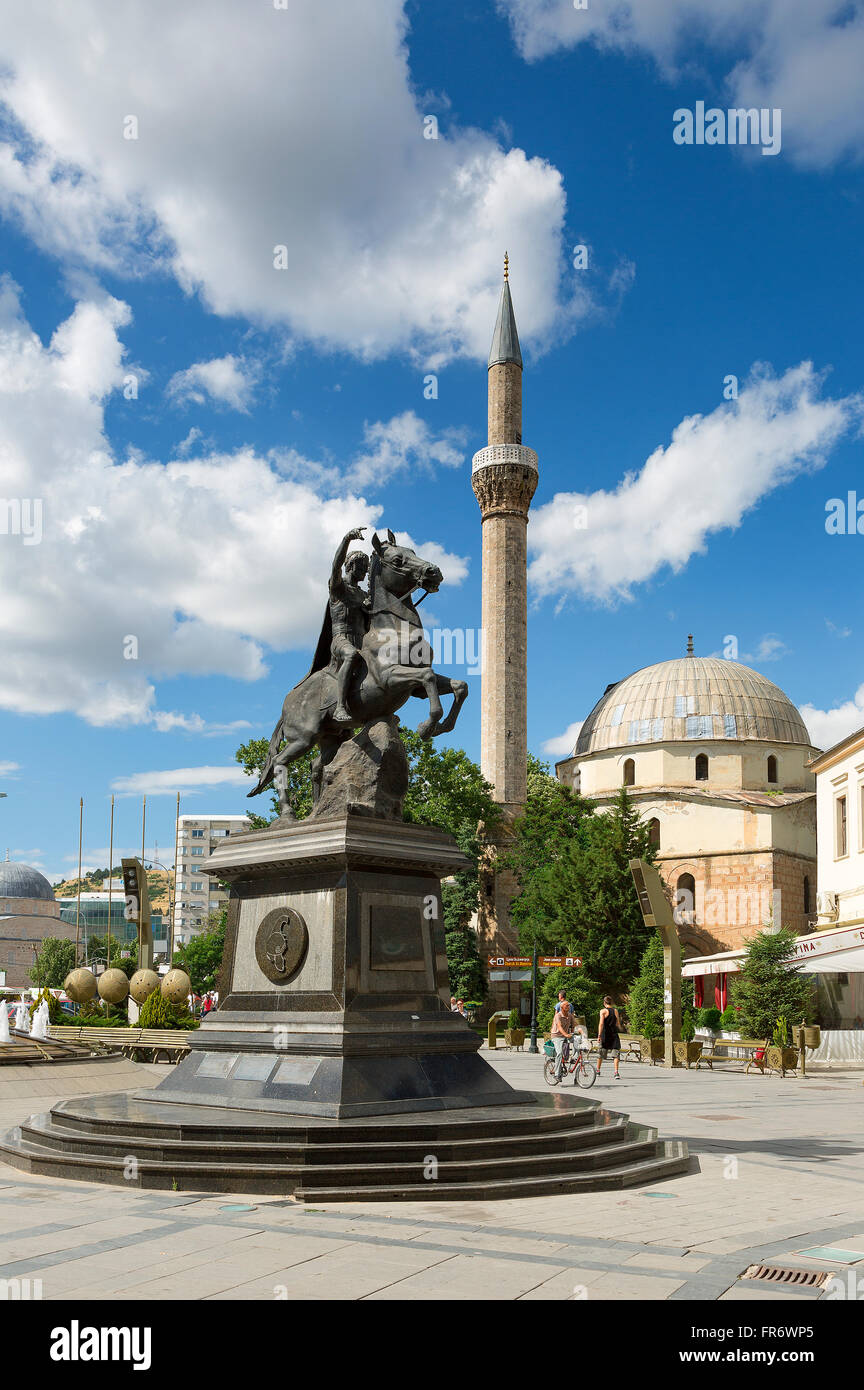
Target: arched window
(629,773)
(772,768)
(685,900)
(654,832)
(702,768)
(807,907)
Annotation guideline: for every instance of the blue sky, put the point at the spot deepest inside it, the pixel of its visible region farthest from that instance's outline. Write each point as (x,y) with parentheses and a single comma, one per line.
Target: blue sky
(200,427)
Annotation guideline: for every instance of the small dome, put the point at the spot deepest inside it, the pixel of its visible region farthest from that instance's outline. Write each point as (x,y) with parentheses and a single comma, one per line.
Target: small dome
(692,697)
(20,881)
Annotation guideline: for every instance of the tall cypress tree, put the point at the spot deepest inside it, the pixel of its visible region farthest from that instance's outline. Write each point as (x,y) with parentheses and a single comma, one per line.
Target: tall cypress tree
(770,986)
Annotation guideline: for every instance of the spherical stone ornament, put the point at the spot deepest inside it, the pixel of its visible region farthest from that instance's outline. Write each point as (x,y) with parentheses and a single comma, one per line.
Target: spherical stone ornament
(113,986)
(80,985)
(281,943)
(142,985)
(176,987)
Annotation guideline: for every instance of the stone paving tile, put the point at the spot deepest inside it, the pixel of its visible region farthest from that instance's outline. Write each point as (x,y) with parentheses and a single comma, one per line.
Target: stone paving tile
(623,1285)
(28,1247)
(563,1287)
(357,1273)
(468,1277)
(750,1292)
(674,1263)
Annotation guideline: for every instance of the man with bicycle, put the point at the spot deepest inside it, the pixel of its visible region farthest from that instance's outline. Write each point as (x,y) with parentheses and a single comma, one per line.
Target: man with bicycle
(562,1032)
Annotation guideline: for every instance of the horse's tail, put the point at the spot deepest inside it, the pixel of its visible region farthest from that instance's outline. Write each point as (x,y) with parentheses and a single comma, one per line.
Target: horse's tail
(266,776)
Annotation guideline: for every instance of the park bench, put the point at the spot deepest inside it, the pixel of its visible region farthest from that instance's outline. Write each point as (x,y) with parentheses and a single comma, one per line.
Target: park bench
(173,1043)
(720,1049)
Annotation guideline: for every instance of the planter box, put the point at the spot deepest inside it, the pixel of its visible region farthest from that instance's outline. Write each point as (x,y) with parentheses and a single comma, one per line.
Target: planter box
(652,1049)
(514,1037)
(687,1052)
(782,1059)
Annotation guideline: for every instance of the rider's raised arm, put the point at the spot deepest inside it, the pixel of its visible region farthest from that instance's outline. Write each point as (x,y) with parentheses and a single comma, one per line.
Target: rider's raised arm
(342,554)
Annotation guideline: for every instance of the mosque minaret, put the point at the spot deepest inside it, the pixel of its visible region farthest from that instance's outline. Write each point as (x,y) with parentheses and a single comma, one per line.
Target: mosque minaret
(504,479)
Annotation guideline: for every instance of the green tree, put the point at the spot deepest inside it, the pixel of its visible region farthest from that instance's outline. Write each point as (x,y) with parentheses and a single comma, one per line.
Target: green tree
(201,957)
(645,1006)
(584,994)
(56,959)
(253,755)
(97,949)
(592,900)
(770,985)
(555,820)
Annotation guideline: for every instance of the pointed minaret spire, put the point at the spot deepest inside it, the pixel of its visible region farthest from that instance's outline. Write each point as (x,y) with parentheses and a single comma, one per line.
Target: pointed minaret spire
(505,339)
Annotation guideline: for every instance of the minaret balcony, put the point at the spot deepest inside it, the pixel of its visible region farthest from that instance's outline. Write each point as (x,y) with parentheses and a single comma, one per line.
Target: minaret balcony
(496,454)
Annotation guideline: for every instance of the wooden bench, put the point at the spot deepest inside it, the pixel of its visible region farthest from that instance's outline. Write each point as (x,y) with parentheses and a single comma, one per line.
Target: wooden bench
(173,1043)
(721,1048)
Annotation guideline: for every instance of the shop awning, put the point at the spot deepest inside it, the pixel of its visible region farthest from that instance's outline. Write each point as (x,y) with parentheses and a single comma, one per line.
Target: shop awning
(820,953)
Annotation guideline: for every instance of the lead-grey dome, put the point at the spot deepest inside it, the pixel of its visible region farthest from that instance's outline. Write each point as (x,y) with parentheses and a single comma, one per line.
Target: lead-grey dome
(20,881)
(692,697)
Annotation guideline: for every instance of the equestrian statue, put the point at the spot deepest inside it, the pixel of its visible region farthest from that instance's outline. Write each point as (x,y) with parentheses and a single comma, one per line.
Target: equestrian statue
(371,657)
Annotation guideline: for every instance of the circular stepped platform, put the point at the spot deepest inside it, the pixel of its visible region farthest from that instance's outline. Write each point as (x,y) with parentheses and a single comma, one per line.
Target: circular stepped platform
(552,1143)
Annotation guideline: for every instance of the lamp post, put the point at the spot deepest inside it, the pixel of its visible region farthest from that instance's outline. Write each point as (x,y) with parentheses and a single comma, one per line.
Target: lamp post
(532,1046)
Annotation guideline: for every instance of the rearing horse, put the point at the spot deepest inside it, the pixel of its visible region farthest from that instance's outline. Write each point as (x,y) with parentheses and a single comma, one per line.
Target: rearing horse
(396,663)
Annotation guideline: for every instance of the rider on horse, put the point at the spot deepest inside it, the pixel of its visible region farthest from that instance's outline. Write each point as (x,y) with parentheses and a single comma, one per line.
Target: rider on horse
(349,607)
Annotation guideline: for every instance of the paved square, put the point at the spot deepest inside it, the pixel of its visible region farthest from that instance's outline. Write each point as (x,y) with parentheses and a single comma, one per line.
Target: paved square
(778,1167)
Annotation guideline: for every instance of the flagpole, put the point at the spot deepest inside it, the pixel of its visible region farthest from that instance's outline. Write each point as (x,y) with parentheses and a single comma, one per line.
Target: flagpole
(143,875)
(78,904)
(173,913)
(110,874)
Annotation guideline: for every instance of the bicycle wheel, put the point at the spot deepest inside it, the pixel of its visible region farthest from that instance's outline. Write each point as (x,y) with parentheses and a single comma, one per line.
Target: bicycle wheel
(549,1071)
(586,1074)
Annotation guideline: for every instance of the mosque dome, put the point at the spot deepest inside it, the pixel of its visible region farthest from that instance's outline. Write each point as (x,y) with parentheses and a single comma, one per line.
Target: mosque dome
(692,697)
(20,881)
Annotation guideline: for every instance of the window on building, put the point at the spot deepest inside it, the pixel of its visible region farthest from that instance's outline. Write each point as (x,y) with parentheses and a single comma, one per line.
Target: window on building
(685,900)
(702,768)
(629,773)
(840,828)
(772,768)
(197,851)
(807,907)
(197,834)
(654,832)
(197,885)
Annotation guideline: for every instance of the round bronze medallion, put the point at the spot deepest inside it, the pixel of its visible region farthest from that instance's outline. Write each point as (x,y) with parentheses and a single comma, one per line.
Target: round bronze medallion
(281,943)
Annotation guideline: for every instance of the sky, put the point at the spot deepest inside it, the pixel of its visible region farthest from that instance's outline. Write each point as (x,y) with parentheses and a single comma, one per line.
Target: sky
(251,257)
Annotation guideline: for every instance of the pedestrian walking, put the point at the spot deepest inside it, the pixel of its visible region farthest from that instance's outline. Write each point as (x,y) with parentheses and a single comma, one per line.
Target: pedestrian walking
(608,1035)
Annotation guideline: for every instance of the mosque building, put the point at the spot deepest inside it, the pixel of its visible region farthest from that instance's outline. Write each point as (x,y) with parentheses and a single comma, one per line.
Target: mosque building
(28,913)
(715,757)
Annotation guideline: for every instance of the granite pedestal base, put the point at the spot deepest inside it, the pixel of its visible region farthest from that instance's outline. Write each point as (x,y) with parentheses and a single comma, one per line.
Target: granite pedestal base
(335,994)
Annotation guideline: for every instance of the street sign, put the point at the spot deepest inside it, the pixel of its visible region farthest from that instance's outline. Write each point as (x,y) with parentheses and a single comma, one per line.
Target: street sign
(520,962)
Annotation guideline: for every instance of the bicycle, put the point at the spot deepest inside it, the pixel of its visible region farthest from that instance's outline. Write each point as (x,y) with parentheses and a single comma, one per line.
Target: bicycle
(584,1073)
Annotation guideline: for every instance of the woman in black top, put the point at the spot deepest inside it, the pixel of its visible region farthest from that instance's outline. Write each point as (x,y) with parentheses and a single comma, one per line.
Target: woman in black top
(608,1038)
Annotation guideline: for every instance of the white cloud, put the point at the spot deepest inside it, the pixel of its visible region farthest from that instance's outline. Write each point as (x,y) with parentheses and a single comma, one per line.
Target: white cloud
(828,726)
(803,56)
(716,468)
(260,128)
(6,769)
(181,779)
(563,744)
(203,560)
(837,630)
(227,381)
(770,648)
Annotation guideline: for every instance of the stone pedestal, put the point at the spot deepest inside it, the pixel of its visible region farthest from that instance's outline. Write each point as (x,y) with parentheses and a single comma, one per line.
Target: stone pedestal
(334,999)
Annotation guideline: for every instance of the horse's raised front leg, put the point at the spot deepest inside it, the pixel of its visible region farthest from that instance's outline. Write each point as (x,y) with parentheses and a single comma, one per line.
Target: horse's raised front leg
(429,681)
(459,691)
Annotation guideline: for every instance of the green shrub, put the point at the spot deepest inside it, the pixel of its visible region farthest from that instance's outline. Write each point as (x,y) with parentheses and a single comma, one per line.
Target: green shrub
(156,1012)
(513,1020)
(688,1026)
(709,1017)
(770,985)
(55,1013)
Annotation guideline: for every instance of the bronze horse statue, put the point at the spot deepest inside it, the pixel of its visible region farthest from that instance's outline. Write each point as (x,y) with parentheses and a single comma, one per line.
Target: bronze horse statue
(396,663)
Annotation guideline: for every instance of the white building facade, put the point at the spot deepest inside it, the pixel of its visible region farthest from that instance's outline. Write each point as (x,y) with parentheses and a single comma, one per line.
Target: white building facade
(198,894)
